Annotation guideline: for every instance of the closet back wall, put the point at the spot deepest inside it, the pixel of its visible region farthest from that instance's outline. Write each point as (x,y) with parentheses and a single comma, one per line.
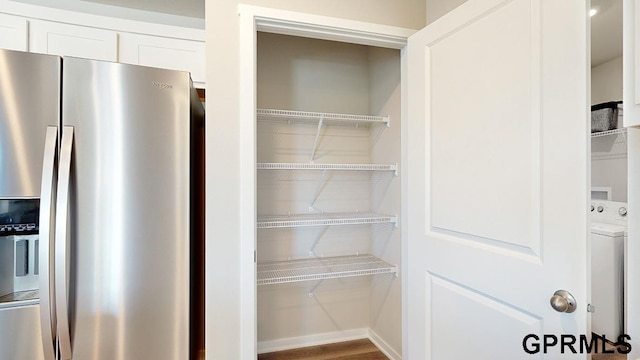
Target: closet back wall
(297,73)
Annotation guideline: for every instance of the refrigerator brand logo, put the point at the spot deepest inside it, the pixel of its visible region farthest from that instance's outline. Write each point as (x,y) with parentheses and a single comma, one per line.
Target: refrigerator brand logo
(532,344)
(161,85)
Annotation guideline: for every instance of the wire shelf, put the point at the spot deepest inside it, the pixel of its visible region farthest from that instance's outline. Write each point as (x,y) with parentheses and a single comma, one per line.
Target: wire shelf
(325,219)
(609,132)
(281,272)
(339,167)
(314,117)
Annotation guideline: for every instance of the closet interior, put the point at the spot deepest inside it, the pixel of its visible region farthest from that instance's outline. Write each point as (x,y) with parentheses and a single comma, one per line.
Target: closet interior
(328,193)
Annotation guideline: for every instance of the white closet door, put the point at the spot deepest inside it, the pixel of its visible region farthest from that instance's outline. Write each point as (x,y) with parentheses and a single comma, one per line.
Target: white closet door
(497,179)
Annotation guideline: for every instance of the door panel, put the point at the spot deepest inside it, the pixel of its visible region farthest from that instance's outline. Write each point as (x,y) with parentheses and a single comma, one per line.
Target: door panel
(467,148)
(14,31)
(71,40)
(498,123)
(165,53)
(476,308)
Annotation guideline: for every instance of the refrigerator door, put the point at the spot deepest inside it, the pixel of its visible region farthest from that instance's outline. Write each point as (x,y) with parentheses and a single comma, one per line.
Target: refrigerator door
(20,333)
(29,119)
(128,211)
(29,101)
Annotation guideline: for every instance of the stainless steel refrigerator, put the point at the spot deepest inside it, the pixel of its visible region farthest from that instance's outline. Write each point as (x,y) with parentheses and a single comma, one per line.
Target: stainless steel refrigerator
(101,211)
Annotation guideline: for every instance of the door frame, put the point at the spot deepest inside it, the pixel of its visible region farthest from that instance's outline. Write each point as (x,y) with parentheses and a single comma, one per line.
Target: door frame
(632,249)
(252,20)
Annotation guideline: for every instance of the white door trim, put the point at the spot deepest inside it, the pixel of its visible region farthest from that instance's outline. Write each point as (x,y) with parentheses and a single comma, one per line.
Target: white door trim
(252,20)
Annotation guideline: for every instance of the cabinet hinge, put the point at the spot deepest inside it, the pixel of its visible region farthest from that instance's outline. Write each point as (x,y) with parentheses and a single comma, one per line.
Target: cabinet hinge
(591,308)
(255,256)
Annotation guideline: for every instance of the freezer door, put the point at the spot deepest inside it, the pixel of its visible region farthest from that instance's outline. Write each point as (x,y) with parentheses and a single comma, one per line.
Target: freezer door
(29,101)
(128,211)
(29,119)
(20,333)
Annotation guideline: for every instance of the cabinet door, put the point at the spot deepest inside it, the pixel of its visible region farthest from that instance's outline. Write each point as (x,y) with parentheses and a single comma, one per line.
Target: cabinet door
(166,53)
(72,40)
(13,33)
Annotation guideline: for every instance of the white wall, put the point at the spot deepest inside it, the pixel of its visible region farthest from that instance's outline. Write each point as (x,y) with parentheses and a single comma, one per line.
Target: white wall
(312,75)
(386,294)
(606,81)
(225,325)
(609,165)
(608,153)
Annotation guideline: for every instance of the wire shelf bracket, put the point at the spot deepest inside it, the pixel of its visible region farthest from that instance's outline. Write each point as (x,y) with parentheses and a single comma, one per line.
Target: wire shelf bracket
(315,141)
(312,252)
(321,182)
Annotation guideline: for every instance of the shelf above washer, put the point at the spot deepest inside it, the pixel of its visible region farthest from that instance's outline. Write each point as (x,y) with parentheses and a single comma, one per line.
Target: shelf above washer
(325,219)
(609,132)
(322,269)
(310,117)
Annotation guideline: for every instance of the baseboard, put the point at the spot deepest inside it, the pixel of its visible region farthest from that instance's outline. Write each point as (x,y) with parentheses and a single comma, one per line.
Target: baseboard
(383,346)
(313,340)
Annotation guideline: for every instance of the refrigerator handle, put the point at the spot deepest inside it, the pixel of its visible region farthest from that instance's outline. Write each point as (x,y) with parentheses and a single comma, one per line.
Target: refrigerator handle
(47,195)
(62,244)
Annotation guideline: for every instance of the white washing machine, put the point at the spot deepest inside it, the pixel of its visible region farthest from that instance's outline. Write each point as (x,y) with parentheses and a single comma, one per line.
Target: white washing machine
(608,237)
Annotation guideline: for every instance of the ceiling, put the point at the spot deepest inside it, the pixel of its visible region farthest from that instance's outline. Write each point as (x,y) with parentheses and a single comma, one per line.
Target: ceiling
(606,31)
(190,8)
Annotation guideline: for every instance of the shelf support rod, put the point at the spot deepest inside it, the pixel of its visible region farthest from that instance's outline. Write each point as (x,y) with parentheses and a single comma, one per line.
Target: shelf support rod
(314,288)
(315,142)
(312,252)
(321,181)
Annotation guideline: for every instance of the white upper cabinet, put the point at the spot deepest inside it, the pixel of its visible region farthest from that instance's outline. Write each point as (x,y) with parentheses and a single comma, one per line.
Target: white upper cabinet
(13,33)
(53,31)
(163,52)
(71,40)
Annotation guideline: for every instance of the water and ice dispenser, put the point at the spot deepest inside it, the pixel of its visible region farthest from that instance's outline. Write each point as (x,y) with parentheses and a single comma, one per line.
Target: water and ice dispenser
(18,248)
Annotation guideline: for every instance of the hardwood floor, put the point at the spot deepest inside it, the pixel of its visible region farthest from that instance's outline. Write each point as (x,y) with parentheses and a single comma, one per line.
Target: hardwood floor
(614,356)
(349,350)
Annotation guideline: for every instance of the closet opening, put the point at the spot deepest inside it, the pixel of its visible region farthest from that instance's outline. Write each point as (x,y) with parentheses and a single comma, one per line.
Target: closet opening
(327,194)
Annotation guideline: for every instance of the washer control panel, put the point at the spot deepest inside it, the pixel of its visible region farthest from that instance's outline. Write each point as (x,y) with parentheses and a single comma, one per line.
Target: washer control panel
(609,212)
